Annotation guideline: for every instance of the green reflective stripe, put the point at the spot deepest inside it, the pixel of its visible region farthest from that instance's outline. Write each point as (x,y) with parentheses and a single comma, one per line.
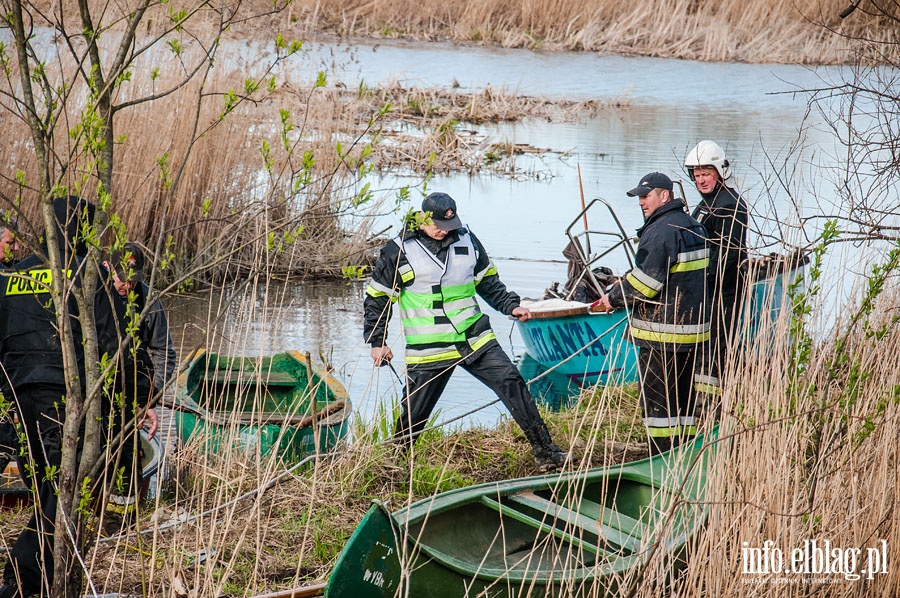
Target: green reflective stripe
(407,276)
(491,270)
(410,300)
(647,280)
(456,292)
(708,389)
(373,292)
(463,318)
(431,337)
(670,337)
(376,289)
(640,287)
(413,359)
(690,266)
(460,305)
(671,431)
(463,323)
(482,339)
(709,380)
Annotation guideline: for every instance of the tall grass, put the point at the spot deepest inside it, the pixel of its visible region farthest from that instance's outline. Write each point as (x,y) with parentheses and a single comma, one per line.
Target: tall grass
(806,31)
(808,450)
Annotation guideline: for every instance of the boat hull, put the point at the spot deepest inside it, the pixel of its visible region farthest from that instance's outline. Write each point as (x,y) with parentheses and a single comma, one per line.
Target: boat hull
(590,348)
(569,534)
(260,406)
(586,348)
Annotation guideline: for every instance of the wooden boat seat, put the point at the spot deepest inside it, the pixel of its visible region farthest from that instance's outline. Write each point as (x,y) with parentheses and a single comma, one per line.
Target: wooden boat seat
(546,528)
(606,529)
(272,378)
(611,517)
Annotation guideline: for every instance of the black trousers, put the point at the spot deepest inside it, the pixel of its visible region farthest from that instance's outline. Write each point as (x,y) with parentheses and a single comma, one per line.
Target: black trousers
(490,366)
(724,338)
(41,410)
(724,321)
(667,396)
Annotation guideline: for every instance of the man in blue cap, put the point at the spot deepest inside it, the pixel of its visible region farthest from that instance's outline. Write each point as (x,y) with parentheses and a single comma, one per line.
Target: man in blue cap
(434,269)
(665,294)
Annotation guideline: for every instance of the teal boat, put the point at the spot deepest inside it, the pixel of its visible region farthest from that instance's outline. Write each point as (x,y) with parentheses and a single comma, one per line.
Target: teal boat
(277,405)
(574,339)
(581,533)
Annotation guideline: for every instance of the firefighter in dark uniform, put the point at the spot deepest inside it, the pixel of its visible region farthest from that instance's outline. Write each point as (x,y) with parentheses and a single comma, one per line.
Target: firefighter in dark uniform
(9,438)
(434,270)
(665,295)
(35,379)
(723,213)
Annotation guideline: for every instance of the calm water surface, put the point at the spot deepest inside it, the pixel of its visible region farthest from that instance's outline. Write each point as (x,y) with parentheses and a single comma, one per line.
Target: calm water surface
(749,109)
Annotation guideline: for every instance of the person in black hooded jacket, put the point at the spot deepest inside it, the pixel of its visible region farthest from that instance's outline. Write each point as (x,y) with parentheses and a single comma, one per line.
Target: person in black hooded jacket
(724,215)
(34,379)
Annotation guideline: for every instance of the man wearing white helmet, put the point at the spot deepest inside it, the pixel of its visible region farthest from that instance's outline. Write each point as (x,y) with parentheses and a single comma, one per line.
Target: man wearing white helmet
(723,213)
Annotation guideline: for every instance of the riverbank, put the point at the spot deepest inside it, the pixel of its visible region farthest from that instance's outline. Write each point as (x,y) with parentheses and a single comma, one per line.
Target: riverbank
(291,532)
(808,448)
(761,31)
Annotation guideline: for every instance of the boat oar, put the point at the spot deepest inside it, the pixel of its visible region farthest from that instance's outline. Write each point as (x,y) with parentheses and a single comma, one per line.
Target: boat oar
(304,592)
(581,189)
(263,418)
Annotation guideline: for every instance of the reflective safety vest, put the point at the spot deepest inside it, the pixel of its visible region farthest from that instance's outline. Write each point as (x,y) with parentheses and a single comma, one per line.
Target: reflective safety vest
(437,302)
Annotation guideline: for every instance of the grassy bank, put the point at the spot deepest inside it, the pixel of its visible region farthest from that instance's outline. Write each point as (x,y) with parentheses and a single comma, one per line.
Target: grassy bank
(809,452)
(806,31)
(290,534)
(810,428)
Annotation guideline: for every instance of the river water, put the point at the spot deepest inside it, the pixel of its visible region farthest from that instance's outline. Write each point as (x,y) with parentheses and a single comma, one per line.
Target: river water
(752,110)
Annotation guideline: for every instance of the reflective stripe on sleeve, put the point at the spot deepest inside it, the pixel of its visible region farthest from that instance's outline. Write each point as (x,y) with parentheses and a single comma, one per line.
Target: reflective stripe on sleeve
(691,260)
(644,284)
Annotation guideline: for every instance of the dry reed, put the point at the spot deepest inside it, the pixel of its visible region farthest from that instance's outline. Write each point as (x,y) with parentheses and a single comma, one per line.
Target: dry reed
(198,189)
(807,31)
(809,451)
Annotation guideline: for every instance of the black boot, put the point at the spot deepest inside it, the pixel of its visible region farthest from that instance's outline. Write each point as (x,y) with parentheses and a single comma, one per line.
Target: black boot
(547,455)
(10,590)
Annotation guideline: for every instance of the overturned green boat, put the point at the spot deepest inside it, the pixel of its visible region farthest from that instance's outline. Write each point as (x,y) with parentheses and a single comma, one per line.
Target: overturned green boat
(581,533)
(278,405)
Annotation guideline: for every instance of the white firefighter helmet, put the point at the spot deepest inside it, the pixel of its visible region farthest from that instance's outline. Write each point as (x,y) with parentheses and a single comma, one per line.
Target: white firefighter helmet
(708,154)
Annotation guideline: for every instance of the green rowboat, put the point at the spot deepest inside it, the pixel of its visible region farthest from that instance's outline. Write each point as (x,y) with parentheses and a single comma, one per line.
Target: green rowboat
(260,405)
(581,533)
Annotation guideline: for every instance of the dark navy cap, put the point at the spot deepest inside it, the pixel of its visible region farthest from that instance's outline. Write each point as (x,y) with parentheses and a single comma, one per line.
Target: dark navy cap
(649,182)
(443,211)
(129,263)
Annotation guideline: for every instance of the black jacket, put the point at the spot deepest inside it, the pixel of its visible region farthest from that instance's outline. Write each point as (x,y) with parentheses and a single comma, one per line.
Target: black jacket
(723,214)
(156,346)
(30,347)
(666,291)
(377,305)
